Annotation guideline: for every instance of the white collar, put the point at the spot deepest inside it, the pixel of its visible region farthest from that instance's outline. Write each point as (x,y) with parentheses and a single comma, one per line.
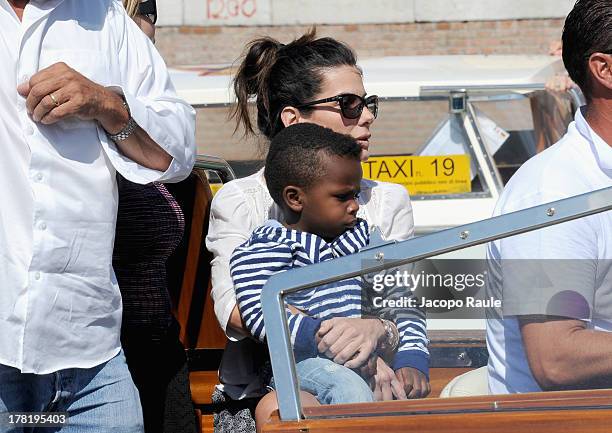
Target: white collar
(601,149)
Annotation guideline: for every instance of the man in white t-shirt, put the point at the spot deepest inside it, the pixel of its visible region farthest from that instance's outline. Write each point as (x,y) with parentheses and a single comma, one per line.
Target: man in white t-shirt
(553,330)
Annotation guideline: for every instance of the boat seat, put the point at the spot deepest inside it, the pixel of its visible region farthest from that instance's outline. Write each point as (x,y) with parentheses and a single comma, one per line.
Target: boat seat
(189,277)
(474,382)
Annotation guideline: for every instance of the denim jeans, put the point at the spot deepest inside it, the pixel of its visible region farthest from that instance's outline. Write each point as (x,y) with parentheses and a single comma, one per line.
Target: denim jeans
(98,400)
(332,383)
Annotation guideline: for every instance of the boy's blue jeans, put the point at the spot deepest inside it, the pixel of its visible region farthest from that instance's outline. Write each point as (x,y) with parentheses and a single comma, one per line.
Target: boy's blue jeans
(98,399)
(332,383)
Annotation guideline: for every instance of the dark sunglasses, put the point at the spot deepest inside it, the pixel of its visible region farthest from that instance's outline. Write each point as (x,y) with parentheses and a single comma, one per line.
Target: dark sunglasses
(148,8)
(351,105)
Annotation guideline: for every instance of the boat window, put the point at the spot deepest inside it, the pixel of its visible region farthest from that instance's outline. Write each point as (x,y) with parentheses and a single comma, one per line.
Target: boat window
(420,145)
(516,128)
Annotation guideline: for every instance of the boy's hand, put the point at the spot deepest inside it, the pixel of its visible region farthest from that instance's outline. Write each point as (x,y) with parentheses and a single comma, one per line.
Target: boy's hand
(414,382)
(349,341)
(385,384)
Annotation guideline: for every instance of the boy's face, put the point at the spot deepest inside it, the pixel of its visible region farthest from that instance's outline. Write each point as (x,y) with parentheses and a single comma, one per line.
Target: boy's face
(329,205)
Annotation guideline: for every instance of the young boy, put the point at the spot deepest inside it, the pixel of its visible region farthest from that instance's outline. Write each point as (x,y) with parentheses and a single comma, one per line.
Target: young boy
(314,175)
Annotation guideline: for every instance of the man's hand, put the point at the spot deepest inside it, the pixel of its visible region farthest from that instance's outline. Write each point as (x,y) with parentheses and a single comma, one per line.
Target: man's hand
(349,341)
(414,382)
(385,384)
(368,370)
(59,92)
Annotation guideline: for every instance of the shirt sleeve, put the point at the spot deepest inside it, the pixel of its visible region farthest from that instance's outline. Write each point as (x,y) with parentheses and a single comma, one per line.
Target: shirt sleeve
(251,266)
(395,213)
(550,271)
(144,81)
(229,226)
(397,223)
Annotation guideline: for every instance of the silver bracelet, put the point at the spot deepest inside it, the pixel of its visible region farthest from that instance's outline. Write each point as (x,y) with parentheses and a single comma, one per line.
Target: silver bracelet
(127,129)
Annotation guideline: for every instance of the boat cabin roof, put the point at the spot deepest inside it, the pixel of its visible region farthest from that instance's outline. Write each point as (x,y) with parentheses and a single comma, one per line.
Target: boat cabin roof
(404,76)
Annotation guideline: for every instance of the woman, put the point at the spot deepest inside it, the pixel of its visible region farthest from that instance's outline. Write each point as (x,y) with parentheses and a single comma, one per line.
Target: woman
(150,225)
(308,80)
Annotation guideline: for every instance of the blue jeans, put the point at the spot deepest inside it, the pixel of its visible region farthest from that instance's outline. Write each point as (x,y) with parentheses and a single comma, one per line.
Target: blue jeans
(332,383)
(98,400)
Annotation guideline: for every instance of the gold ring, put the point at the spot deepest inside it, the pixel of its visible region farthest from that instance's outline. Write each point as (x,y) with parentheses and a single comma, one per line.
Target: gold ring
(55,101)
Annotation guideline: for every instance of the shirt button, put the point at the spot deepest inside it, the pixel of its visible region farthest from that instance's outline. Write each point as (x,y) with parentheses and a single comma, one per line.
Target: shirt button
(38,177)
(37,276)
(20,104)
(29,130)
(24,78)
(43,226)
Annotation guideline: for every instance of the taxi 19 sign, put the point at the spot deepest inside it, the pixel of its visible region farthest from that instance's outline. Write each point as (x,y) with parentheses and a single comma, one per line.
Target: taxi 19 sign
(422,175)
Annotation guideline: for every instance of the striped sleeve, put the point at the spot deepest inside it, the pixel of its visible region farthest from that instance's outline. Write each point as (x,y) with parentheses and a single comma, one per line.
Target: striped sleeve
(251,266)
(412,350)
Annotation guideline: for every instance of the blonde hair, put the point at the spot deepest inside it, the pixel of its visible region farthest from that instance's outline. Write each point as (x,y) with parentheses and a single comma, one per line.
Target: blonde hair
(131,7)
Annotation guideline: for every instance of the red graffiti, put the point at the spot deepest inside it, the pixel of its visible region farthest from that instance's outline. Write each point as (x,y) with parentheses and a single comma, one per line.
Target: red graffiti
(228,9)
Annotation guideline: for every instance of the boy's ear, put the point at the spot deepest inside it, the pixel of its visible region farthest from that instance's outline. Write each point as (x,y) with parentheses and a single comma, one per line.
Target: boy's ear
(293,197)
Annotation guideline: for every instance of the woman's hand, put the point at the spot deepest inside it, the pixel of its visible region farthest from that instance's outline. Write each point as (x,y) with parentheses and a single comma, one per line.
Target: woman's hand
(349,341)
(414,382)
(385,383)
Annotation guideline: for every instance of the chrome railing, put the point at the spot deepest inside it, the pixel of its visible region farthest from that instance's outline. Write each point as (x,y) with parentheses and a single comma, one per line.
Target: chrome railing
(391,255)
(216,164)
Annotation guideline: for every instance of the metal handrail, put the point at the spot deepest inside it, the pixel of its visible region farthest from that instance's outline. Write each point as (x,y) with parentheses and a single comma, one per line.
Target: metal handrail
(392,255)
(480,88)
(219,165)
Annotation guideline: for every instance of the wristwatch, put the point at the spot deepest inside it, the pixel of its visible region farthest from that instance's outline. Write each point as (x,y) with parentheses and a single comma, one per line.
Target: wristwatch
(391,335)
(128,129)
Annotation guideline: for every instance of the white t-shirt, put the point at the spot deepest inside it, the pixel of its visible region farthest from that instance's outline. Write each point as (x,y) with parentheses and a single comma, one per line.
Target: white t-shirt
(576,254)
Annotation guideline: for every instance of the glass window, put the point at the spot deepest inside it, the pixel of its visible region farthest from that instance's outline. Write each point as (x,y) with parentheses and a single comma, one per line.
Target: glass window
(517,127)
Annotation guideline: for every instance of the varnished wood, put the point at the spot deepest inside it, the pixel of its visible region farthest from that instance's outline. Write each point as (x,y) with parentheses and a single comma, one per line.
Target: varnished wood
(567,411)
(199,226)
(202,386)
(456,336)
(487,402)
(564,421)
(207,425)
(210,336)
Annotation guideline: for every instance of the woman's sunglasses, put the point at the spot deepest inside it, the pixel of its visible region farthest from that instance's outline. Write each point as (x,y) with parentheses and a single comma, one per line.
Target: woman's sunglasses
(148,8)
(351,105)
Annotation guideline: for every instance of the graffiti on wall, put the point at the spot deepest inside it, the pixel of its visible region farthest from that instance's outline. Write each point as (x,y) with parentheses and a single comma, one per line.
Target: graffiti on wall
(221,10)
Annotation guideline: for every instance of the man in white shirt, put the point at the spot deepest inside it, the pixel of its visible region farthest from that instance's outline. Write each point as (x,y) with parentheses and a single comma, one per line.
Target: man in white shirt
(557,309)
(83,94)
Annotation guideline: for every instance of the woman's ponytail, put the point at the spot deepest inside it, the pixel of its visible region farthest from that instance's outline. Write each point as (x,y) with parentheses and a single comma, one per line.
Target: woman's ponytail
(280,76)
(253,78)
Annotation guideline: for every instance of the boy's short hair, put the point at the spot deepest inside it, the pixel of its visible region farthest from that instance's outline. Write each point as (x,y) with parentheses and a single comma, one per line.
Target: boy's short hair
(295,156)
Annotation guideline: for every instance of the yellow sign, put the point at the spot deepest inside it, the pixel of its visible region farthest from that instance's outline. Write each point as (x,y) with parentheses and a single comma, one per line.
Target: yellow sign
(444,174)
(214,187)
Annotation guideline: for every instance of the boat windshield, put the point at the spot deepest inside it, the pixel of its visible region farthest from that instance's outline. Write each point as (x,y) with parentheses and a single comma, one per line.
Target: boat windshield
(435,150)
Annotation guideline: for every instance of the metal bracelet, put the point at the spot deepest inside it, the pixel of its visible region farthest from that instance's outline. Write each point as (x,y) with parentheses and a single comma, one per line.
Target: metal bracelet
(127,129)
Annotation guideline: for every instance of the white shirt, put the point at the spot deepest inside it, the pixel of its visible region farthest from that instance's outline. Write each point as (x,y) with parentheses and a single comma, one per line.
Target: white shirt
(580,162)
(60,305)
(244,204)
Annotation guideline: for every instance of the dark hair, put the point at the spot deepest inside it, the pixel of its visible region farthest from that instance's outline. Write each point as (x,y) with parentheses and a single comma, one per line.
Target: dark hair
(587,30)
(281,75)
(296,156)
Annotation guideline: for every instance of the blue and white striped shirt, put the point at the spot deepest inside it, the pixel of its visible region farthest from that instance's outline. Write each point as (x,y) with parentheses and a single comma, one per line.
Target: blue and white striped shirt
(273,248)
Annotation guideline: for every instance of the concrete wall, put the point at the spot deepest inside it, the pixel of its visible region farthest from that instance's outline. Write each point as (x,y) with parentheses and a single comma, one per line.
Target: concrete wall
(292,12)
